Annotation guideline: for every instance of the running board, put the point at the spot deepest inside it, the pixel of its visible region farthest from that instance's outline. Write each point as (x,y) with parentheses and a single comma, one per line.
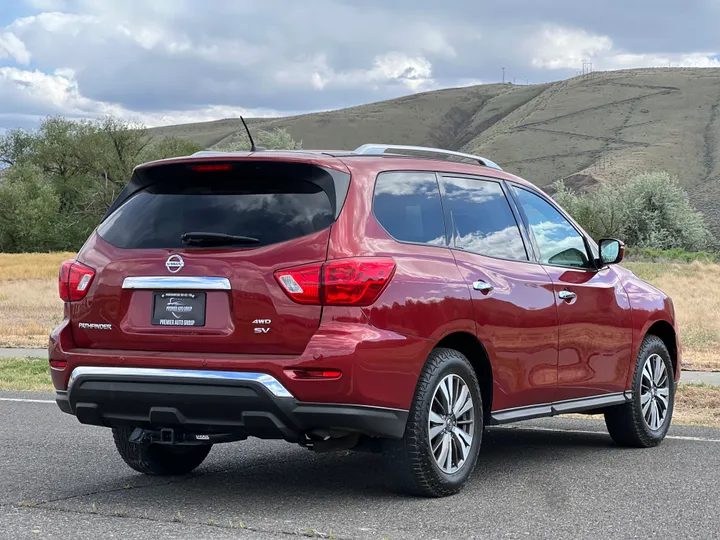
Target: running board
(505,416)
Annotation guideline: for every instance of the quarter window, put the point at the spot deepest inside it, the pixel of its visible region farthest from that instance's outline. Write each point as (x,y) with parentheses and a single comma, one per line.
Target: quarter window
(482,219)
(559,242)
(407,205)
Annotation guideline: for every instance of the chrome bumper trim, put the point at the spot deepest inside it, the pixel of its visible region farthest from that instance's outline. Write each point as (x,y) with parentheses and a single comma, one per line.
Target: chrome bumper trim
(177,282)
(268,381)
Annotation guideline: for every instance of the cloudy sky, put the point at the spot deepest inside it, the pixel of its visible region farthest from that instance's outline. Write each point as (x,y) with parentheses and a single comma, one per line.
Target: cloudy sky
(172,61)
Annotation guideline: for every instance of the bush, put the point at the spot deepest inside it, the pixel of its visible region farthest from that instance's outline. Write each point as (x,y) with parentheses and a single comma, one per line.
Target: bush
(278,139)
(651,210)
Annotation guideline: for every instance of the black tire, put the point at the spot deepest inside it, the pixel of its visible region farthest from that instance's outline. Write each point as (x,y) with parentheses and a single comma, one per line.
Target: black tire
(158,459)
(411,464)
(626,423)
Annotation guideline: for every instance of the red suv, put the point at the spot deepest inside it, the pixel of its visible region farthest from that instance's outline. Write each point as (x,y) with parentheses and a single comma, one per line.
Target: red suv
(366,300)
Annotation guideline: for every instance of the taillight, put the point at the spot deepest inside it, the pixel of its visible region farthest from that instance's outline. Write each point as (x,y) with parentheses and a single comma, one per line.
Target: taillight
(347,282)
(301,284)
(74,280)
(355,282)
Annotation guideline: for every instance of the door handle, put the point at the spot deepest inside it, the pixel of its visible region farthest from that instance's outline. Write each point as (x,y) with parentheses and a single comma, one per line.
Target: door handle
(482,286)
(567,295)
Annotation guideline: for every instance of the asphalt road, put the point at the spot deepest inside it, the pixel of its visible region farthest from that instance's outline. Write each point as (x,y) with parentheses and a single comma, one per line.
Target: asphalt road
(560,478)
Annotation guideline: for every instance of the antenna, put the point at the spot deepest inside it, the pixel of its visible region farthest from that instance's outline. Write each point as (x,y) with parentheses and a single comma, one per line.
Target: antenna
(253,148)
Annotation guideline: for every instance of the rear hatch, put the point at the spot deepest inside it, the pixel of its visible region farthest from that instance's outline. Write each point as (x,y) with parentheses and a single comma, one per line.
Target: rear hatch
(212,290)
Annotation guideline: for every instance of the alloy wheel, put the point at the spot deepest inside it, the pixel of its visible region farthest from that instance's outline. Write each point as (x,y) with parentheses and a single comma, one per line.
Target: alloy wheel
(451,423)
(654,392)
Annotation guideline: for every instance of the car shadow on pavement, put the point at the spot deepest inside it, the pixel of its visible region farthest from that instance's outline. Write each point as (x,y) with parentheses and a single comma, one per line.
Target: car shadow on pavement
(287,475)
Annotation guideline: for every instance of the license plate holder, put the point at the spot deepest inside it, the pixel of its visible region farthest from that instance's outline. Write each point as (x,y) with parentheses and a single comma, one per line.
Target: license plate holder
(178,309)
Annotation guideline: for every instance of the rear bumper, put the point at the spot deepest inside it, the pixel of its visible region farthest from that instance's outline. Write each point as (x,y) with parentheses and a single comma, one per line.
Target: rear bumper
(379,368)
(214,402)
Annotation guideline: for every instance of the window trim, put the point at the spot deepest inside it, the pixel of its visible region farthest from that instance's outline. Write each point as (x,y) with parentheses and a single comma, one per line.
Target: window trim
(513,186)
(530,254)
(446,245)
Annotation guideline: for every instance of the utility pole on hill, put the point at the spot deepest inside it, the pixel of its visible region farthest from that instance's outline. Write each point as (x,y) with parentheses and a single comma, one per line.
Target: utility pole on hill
(503,75)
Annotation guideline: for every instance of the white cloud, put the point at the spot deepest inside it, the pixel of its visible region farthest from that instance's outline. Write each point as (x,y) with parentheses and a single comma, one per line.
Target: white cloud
(555,47)
(157,58)
(415,73)
(37,94)
(12,47)
(54,22)
(627,60)
(506,243)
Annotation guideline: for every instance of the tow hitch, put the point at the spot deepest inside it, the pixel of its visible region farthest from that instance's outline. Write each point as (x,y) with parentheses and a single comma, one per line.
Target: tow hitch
(172,436)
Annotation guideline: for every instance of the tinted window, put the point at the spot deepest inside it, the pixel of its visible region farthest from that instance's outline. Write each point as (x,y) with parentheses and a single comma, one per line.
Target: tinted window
(558,240)
(408,206)
(483,220)
(272,211)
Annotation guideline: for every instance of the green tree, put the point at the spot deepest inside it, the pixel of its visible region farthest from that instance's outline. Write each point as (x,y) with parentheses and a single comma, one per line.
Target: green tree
(170,147)
(83,164)
(29,211)
(15,145)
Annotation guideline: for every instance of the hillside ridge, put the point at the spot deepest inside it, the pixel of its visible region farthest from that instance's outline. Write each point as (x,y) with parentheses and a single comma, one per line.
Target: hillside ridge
(585,130)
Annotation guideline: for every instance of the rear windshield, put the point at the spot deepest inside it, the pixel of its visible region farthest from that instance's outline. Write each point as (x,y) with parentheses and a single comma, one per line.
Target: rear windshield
(272,210)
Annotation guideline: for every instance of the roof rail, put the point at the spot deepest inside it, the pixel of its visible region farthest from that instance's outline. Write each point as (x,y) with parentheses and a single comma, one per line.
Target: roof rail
(397,149)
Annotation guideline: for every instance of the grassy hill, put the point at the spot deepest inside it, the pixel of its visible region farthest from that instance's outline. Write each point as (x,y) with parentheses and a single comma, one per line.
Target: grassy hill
(584,130)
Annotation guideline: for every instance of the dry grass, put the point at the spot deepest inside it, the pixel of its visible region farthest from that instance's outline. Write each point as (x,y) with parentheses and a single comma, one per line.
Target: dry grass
(30,307)
(31,265)
(695,290)
(29,310)
(697,404)
(29,304)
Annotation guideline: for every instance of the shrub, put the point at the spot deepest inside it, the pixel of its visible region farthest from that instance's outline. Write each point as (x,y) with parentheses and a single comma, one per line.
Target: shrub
(277,139)
(650,210)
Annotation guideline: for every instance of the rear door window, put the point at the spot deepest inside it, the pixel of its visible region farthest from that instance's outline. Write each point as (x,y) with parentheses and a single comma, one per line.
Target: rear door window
(482,219)
(272,210)
(408,206)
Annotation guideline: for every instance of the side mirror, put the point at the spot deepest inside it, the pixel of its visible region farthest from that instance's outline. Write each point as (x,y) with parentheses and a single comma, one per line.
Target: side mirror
(611,251)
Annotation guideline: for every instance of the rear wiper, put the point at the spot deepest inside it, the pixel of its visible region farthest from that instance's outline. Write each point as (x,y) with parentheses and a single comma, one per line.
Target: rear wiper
(216,239)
